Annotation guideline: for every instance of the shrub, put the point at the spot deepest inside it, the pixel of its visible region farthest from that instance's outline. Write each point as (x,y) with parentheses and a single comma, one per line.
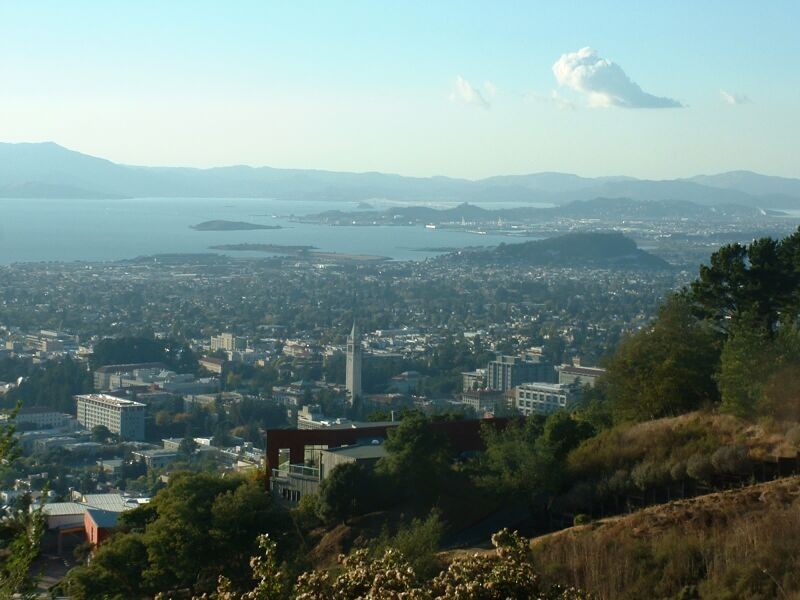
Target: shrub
(677,470)
(793,435)
(419,541)
(649,474)
(308,511)
(619,482)
(582,519)
(731,460)
(699,467)
(507,574)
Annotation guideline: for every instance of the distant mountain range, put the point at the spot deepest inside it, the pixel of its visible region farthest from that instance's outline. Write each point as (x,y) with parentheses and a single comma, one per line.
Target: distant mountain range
(600,250)
(47,170)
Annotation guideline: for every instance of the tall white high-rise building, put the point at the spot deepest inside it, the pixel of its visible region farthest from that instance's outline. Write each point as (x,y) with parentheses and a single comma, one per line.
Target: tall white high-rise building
(353,374)
(121,416)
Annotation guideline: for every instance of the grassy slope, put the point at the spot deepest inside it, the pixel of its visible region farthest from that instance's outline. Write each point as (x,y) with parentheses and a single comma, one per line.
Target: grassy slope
(741,543)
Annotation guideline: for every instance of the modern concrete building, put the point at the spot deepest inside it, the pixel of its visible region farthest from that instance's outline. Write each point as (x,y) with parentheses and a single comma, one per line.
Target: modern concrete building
(163,379)
(507,372)
(156,459)
(545,398)
(473,380)
(483,400)
(228,343)
(123,417)
(366,453)
(290,482)
(353,373)
(43,417)
(579,375)
(406,382)
(103,375)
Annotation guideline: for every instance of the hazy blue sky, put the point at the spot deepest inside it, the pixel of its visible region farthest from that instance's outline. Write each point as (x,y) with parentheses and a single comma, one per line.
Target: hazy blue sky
(461,88)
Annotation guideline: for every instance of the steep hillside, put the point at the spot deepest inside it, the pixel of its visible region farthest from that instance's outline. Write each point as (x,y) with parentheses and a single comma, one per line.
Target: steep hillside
(741,543)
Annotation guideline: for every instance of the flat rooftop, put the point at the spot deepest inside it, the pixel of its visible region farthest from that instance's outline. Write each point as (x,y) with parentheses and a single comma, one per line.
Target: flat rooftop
(109,400)
(593,371)
(545,387)
(360,451)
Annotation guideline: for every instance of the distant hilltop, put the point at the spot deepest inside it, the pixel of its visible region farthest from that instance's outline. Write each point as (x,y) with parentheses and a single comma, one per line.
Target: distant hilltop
(47,170)
(600,250)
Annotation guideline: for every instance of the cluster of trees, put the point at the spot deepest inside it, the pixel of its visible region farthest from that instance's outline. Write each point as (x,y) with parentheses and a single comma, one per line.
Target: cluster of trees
(12,368)
(20,531)
(52,385)
(415,470)
(196,529)
(730,339)
(194,538)
(138,349)
(523,464)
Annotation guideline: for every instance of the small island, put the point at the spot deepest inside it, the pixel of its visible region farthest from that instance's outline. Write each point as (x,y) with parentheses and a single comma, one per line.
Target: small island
(219,225)
(272,248)
(311,252)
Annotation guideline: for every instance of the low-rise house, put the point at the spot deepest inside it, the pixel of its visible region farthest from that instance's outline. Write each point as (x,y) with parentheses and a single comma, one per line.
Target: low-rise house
(212,364)
(44,418)
(91,516)
(156,459)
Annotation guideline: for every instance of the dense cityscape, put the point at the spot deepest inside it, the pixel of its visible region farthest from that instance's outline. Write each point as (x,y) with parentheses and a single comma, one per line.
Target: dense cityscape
(399,301)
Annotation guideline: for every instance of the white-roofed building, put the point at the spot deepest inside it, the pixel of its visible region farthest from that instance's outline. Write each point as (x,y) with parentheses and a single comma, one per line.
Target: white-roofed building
(120,416)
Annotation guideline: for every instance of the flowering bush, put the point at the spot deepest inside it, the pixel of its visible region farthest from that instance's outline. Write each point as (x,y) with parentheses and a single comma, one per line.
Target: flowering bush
(508,574)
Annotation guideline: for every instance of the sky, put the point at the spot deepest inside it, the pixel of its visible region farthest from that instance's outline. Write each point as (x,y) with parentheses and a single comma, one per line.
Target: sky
(464,89)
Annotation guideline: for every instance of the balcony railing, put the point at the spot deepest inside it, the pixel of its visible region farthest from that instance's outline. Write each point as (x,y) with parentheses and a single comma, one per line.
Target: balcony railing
(286,470)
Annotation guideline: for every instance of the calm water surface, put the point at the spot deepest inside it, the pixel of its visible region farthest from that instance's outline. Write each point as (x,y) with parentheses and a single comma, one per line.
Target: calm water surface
(91,230)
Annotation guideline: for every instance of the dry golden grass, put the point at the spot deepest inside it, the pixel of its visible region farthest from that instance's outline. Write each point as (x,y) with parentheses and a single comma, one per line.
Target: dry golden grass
(741,543)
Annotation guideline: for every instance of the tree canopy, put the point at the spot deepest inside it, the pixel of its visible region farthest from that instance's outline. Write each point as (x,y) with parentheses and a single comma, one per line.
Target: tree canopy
(198,527)
(664,369)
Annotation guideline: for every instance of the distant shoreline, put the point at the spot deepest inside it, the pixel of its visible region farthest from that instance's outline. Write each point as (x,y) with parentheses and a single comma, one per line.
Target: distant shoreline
(300,252)
(221,225)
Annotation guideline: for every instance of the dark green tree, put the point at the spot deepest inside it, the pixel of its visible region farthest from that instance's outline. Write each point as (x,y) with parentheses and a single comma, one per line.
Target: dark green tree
(22,531)
(100,434)
(418,458)
(349,490)
(665,369)
(198,528)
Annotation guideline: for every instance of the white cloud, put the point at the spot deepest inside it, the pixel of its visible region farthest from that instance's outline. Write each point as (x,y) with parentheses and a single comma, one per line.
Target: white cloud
(734,98)
(604,82)
(490,89)
(466,93)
